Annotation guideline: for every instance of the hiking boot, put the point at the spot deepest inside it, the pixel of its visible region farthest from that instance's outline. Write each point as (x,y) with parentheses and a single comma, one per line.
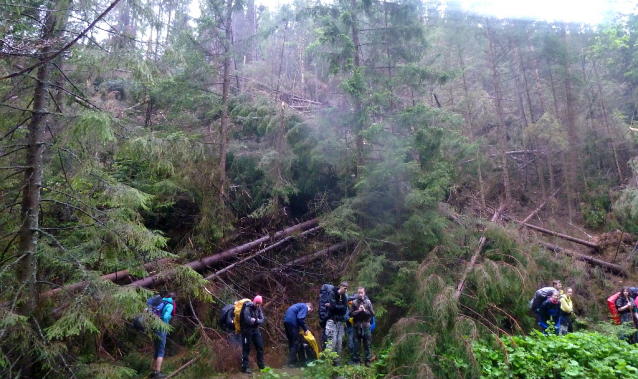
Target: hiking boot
(367,364)
(262,367)
(157,375)
(247,371)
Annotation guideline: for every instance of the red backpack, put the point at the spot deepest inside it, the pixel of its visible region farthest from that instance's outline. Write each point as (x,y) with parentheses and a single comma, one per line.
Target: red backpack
(611,303)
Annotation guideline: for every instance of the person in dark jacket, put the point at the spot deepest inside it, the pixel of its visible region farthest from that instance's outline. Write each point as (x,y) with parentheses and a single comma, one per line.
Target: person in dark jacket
(294,319)
(362,313)
(550,311)
(251,319)
(626,308)
(337,316)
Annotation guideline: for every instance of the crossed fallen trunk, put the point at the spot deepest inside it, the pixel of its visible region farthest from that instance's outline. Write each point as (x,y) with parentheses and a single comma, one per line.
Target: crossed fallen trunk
(197,265)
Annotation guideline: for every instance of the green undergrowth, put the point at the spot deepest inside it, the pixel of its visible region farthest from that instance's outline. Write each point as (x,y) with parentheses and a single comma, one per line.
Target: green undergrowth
(577,355)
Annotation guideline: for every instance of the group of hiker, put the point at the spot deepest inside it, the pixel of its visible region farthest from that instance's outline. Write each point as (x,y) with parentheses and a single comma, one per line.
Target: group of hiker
(338,314)
(353,316)
(554,307)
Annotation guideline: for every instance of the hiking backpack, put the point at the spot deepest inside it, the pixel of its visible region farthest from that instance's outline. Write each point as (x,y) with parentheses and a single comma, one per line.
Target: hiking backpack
(540,296)
(226,316)
(155,305)
(611,303)
(238,310)
(324,297)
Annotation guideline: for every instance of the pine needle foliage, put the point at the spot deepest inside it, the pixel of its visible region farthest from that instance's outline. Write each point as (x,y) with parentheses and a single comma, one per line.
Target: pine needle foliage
(492,303)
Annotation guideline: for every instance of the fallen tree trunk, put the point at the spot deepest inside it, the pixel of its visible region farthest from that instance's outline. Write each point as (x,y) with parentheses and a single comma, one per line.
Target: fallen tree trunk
(470,265)
(586,258)
(216,274)
(535,211)
(213,258)
(560,235)
(114,277)
(185,365)
(201,264)
(311,257)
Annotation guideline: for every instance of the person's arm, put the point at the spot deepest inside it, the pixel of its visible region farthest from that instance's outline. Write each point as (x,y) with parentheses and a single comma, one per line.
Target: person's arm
(621,306)
(542,312)
(564,305)
(356,309)
(301,318)
(371,311)
(168,312)
(260,317)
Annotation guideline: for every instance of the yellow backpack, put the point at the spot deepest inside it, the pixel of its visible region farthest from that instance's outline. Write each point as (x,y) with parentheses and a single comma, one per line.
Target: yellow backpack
(238,307)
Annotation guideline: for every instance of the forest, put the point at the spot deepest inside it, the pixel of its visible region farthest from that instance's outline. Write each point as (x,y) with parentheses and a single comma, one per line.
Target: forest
(449,161)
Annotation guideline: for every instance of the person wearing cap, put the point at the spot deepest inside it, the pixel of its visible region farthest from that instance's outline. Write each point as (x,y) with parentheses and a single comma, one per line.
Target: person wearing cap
(251,318)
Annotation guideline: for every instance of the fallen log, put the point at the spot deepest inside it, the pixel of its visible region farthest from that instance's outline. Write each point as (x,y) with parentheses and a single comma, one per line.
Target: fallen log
(201,264)
(535,211)
(185,365)
(311,257)
(213,258)
(470,265)
(216,274)
(585,258)
(114,277)
(560,235)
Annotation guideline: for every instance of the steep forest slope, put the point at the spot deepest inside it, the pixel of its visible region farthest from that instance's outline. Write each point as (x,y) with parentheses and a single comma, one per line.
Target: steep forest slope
(450,162)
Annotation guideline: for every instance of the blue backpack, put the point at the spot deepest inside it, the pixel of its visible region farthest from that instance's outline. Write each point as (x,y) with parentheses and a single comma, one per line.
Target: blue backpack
(156,305)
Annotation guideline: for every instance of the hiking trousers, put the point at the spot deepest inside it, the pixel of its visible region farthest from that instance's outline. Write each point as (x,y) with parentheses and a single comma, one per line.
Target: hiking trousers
(294,342)
(252,336)
(362,333)
(334,336)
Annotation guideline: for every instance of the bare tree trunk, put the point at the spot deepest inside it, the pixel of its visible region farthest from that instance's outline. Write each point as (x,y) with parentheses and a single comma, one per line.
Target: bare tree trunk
(358,105)
(388,54)
(517,73)
(202,264)
(52,28)
(223,143)
(606,120)
(469,121)
(498,98)
(570,118)
(586,258)
(537,80)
